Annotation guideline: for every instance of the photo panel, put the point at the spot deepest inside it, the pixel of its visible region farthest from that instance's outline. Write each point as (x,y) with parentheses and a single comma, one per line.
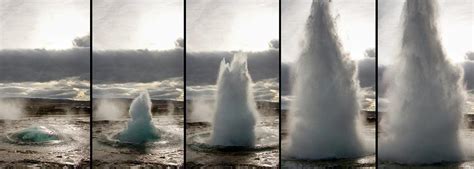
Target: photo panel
(138,95)
(426,81)
(328,80)
(232,83)
(44,84)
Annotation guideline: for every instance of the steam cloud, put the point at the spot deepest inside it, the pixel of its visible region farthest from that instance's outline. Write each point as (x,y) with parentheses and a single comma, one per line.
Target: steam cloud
(11,109)
(109,110)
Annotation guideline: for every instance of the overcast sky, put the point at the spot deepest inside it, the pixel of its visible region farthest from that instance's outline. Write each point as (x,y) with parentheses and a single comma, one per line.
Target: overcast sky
(137,24)
(51,24)
(225,25)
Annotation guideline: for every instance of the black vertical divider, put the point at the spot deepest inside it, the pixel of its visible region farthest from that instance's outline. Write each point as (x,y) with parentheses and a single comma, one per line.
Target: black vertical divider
(184,85)
(376,86)
(279,83)
(90,87)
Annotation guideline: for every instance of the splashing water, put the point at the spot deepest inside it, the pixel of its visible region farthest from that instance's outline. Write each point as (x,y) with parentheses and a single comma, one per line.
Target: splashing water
(426,96)
(236,113)
(140,128)
(324,117)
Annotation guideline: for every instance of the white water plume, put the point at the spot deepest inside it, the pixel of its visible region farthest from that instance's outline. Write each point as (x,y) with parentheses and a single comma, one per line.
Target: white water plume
(426,97)
(324,116)
(140,129)
(236,114)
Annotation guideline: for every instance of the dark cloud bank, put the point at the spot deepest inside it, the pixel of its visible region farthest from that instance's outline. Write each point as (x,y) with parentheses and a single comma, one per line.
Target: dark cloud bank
(121,66)
(40,65)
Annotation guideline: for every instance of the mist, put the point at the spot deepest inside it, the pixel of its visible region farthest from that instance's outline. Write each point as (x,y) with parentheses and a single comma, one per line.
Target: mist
(11,109)
(109,110)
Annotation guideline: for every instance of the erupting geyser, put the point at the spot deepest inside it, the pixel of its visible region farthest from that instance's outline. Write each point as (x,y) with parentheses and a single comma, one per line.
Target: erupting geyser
(140,128)
(236,113)
(426,96)
(323,119)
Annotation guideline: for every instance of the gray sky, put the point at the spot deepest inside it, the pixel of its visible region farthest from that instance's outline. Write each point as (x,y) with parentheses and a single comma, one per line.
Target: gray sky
(137,24)
(51,24)
(225,25)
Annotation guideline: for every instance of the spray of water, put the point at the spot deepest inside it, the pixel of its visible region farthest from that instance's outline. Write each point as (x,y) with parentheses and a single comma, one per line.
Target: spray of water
(324,119)
(426,96)
(140,128)
(236,113)
(11,109)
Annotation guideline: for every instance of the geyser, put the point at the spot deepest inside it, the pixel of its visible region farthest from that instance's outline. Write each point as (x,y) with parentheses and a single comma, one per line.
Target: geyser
(140,128)
(324,116)
(35,135)
(236,113)
(426,97)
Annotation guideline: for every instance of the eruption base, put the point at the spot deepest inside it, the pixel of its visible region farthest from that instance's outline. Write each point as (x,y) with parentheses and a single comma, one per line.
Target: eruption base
(264,141)
(36,135)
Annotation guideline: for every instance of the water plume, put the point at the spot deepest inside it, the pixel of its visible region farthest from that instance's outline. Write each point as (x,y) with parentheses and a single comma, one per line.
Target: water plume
(324,116)
(426,98)
(235,116)
(140,128)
